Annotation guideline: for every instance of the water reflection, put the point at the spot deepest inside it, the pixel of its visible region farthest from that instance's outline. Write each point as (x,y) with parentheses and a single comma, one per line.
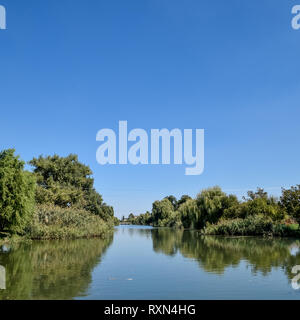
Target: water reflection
(74,269)
(50,269)
(215,254)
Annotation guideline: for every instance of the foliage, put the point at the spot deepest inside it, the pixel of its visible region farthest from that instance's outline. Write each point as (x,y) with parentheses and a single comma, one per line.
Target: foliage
(183,199)
(67,183)
(216,254)
(142,219)
(265,206)
(162,212)
(215,212)
(51,270)
(53,222)
(290,202)
(189,214)
(212,203)
(17,188)
(116,221)
(173,201)
(252,226)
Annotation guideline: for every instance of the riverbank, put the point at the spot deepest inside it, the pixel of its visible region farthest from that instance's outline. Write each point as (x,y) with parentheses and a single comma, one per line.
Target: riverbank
(50,222)
(55,223)
(244,228)
(214,212)
(55,200)
(252,226)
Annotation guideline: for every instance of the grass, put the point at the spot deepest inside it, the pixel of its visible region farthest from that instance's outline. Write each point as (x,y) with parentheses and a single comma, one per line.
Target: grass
(252,226)
(50,222)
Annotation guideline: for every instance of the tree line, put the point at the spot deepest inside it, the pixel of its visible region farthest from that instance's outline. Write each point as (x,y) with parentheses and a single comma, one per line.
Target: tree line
(215,212)
(51,199)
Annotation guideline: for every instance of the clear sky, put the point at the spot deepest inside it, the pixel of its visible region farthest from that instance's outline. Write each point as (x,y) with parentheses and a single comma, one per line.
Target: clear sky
(69,68)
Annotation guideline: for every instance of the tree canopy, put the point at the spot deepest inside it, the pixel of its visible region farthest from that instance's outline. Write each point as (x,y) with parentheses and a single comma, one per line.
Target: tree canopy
(65,182)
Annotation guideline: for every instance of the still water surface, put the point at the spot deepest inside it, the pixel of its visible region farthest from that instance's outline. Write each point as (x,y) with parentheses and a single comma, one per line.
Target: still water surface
(146,263)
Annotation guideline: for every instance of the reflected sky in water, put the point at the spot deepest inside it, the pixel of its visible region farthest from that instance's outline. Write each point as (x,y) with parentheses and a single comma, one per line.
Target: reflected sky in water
(147,263)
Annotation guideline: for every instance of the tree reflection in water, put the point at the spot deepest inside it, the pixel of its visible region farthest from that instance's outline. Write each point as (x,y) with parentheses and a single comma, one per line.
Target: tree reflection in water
(215,254)
(63,269)
(51,269)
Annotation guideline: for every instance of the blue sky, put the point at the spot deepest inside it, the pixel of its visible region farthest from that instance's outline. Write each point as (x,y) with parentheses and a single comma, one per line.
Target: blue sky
(70,68)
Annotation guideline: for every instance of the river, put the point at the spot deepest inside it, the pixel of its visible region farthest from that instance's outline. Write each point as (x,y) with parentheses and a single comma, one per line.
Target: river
(148,263)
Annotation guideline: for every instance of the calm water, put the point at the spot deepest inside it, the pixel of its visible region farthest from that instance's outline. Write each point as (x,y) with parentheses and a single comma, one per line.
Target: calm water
(145,263)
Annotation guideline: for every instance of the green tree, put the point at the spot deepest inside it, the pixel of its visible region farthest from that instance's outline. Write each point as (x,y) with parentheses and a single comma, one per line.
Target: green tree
(212,203)
(189,213)
(183,199)
(173,201)
(65,182)
(131,216)
(257,204)
(162,212)
(259,194)
(290,202)
(17,189)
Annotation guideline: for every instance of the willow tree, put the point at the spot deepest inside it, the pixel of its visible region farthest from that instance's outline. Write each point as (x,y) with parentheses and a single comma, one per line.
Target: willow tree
(212,203)
(162,212)
(17,189)
(189,213)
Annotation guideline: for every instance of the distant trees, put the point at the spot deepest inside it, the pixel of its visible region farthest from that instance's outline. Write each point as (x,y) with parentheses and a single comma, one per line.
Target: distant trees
(256,214)
(142,219)
(17,189)
(131,216)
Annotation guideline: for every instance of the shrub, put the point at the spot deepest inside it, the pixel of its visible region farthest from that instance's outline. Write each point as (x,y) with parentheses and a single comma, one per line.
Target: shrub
(251,226)
(52,222)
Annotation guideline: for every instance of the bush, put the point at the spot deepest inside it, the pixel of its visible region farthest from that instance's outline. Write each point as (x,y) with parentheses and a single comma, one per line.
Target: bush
(251,226)
(17,189)
(52,222)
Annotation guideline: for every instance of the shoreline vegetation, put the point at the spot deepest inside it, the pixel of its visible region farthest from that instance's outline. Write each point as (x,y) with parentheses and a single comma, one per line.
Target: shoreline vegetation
(213,212)
(57,200)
